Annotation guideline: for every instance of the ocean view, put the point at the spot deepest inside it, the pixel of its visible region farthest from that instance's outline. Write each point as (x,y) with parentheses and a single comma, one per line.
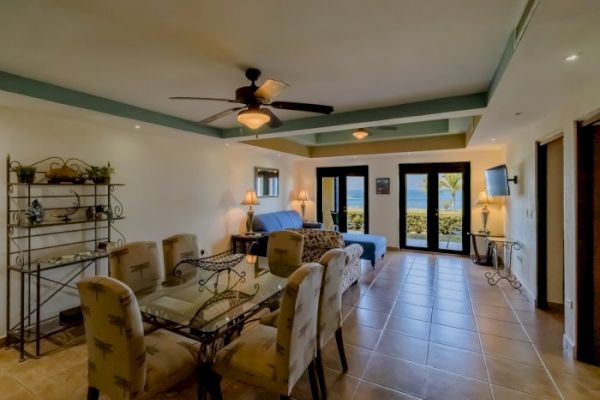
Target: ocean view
(416,198)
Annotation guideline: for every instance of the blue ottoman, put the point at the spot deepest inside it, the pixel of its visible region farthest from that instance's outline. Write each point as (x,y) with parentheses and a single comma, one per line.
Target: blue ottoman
(374,246)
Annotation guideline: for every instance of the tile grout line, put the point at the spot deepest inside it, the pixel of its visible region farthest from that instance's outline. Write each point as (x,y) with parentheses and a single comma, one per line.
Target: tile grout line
(532,343)
(385,324)
(483,355)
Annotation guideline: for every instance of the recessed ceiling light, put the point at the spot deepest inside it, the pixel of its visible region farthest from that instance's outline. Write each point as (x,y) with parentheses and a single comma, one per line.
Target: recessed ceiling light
(572,58)
(518,113)
(136,126)
(226,144)
(492,139)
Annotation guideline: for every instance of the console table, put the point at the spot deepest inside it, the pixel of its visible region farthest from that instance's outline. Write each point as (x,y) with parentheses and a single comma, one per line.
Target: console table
(243,242)
(506,245)
(487,258)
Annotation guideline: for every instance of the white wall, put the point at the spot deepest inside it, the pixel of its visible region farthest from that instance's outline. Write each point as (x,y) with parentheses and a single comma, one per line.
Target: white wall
(520,216)
(175,181)
(384,214)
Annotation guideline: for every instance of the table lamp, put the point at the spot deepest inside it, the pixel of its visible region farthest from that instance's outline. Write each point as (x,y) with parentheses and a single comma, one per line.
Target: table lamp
(250,199)
(483,200)
(303,197)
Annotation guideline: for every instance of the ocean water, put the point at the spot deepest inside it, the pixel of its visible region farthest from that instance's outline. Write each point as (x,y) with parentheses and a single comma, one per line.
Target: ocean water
(416,198)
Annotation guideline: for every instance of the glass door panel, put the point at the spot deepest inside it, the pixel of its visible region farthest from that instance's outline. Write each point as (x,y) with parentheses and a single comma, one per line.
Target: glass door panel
(355,200)
(416,210)
(330,200)
(450,211)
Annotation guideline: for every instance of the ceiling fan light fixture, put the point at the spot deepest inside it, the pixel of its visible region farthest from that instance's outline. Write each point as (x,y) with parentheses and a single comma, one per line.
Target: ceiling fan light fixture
(360,133)
(253,118)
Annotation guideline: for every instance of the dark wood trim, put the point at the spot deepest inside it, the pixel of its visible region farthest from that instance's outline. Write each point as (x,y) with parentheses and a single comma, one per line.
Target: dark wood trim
(432,169)
(341,173)
(542,225)
(584,243)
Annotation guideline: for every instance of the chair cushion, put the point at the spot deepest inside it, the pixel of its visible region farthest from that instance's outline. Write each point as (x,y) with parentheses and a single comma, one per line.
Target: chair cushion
(251,358)
(170,358)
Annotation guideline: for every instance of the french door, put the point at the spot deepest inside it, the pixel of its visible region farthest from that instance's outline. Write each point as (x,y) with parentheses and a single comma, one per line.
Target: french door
(435,207)
(342,198)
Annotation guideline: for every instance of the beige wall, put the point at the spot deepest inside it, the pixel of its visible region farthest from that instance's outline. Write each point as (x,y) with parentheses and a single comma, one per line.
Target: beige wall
(175,181)
(384,209)
(555,256)
(520,220)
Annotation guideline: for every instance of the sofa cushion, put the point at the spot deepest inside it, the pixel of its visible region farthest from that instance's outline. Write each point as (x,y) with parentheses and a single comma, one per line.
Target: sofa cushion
(277,221)
(374,246)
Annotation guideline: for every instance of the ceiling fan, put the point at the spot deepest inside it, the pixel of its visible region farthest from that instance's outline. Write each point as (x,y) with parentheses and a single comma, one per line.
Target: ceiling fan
(362,133)
(254,113)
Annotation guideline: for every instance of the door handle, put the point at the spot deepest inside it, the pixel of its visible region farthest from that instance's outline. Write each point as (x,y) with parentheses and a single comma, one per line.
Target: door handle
(345,210)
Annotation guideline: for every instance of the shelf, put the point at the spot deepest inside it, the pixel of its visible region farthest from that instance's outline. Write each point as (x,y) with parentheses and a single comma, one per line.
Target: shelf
(64,184)
(61,223)
(48,327)
(46,266)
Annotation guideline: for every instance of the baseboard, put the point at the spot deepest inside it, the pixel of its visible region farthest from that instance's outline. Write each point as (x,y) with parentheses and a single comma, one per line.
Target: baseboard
(393,248)
(568,346)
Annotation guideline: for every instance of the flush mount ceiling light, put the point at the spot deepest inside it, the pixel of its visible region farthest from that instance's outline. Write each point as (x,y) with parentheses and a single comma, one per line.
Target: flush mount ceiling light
(360,133)
(572,58)
(253,118)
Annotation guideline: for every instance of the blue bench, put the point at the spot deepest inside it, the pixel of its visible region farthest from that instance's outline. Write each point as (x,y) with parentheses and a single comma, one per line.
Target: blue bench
(374,246)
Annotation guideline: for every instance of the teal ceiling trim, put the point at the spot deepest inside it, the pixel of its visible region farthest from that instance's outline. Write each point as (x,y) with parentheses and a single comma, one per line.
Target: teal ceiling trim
(402,130)
(509,50)
(58,94)
(421,108)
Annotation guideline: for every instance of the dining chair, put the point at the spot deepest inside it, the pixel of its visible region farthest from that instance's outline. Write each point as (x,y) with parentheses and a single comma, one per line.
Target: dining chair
(175,249)
(137,265)
(276,358)
(123,363)
(284,249)
(329,311)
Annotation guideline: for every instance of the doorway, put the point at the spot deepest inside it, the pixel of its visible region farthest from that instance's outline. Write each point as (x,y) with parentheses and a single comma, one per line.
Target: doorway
(550,226)
(588,237)
(342,198)
(435,207)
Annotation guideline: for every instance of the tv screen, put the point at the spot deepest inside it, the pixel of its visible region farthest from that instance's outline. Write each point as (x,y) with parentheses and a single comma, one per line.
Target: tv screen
(496,181)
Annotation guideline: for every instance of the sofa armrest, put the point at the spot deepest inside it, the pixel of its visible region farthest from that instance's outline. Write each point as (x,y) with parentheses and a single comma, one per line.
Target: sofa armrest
(312,225)
(353,251)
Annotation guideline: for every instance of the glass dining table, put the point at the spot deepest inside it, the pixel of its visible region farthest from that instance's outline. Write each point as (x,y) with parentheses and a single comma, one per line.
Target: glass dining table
(215,305)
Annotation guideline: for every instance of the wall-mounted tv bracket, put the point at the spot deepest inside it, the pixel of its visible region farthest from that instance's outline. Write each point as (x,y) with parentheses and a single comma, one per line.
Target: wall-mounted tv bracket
(513,180)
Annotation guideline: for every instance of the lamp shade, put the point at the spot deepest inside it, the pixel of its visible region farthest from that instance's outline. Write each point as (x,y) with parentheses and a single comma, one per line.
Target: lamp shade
(253,118)
(483,199)
(250,199)
(360,133)
(303,196)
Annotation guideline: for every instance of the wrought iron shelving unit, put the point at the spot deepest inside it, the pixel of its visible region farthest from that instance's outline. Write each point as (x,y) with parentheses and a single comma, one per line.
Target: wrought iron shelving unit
(35,250)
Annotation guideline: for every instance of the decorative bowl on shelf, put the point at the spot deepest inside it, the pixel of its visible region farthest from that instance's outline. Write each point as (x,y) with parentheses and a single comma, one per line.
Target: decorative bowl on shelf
(64,174)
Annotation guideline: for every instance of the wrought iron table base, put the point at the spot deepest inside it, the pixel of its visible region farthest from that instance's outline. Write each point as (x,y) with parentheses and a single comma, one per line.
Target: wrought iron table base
(493,277)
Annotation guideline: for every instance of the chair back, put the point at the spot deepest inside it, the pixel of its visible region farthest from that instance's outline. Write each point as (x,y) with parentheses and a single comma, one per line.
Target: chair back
(115,337)
(175,249)
(330,300)
(297,328)
(137,265)
(284,249)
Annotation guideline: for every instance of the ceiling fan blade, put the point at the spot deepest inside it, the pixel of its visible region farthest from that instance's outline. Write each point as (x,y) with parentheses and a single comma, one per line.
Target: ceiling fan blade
(201,98)
(220,115)
(316,108)
(270,89)
(275,122)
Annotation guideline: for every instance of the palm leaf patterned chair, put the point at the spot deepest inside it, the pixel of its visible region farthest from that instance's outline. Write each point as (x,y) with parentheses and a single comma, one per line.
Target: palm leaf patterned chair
(123,363)
(175,249)
(284,251)
(329,311)
(276,358)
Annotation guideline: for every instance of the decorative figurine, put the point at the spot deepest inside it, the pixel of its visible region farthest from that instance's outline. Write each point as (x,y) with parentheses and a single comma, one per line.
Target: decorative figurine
(35,213)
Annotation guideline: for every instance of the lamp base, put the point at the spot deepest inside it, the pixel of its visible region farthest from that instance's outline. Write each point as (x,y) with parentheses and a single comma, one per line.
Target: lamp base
(250,221)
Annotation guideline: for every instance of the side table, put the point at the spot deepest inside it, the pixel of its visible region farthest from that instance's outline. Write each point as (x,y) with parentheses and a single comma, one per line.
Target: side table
(244,241)
(486,259)
(507,246)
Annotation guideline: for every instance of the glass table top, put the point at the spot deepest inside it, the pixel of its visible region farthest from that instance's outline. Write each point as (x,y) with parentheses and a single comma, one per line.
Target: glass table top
(224,297)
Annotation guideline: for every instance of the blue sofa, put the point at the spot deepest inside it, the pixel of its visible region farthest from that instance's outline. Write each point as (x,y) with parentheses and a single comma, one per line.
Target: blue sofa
(374,246)
(280,220)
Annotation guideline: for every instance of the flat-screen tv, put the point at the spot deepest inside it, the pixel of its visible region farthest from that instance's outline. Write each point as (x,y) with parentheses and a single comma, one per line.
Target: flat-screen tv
(496,181)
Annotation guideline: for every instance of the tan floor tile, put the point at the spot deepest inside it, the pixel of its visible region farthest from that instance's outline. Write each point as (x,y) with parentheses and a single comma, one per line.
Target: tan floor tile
(577,387)
(69,384)
(454,337)
(501,328)
(521,377)
(418,289)
(499,313)
(442,385)
(416,299)
(409,327)
(360,335)
(456,320)
(502,393)
(10,386)
(512,349)
(458,361)
(340,386)
(400,375)
(369,391)
(357,357)
(463,307)
(408,348)
(405,310)
(372,319)
(375,304)
(31,370)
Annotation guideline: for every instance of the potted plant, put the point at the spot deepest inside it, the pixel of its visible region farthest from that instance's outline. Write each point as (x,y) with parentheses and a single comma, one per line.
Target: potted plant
(100,175)
(25,173)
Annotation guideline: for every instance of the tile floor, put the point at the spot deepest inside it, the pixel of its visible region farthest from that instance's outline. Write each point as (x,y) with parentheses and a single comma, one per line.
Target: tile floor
(418,326)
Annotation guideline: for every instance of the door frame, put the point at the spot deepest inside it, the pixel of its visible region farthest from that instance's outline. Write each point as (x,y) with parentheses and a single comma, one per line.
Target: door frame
(432,203)
(585,240)
(342,173)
